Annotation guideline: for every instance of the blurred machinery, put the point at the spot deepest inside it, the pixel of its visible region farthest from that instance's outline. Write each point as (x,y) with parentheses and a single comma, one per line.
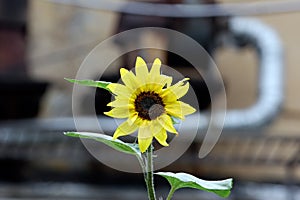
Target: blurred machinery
(20,95)
(38,151)
(212,33)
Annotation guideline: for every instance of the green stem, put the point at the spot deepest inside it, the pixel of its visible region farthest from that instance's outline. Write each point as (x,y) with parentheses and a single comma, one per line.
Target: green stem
(149,174)
(171,193)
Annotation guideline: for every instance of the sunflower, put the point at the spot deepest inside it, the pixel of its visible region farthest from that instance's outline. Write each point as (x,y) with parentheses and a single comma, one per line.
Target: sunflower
(148,101)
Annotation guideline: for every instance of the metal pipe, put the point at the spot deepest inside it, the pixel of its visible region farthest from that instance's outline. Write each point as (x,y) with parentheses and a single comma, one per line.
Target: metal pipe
(187,10)
(271,74)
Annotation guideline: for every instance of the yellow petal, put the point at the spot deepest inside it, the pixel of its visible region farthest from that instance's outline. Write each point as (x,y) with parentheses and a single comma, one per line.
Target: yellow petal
(180,88)
(133,117)
(174,109)
(166,122)
(155,127)
(179,109)
(154,80)
(120,90)
(129,79)
(176,91)
(157,77)
(166,80)
(121,102)
(119,112)
(144,144)
(141,70)
(144,138)
(161,81)
(155,69)
(125,129)
(157,83)
(186,108)
(161,137)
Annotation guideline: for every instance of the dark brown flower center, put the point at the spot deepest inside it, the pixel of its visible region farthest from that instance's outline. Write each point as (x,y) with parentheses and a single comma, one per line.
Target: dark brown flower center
(149,105)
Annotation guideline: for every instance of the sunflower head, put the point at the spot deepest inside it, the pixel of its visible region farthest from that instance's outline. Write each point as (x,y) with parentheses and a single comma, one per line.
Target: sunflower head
(148,101)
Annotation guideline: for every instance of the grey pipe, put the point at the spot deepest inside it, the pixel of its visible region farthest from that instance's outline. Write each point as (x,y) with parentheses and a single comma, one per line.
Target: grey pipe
(187,10)
(270,78)
(269,51)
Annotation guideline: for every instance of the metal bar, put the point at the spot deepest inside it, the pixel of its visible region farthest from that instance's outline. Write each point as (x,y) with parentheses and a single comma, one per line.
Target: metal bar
(270,83)
(187,10)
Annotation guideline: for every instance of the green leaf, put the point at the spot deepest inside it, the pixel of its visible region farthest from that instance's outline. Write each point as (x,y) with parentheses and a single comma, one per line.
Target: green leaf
(184,180)
(91,83)
(108,140)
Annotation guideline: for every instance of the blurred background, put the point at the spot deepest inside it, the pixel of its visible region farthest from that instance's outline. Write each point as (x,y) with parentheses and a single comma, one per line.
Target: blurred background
(255,47)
